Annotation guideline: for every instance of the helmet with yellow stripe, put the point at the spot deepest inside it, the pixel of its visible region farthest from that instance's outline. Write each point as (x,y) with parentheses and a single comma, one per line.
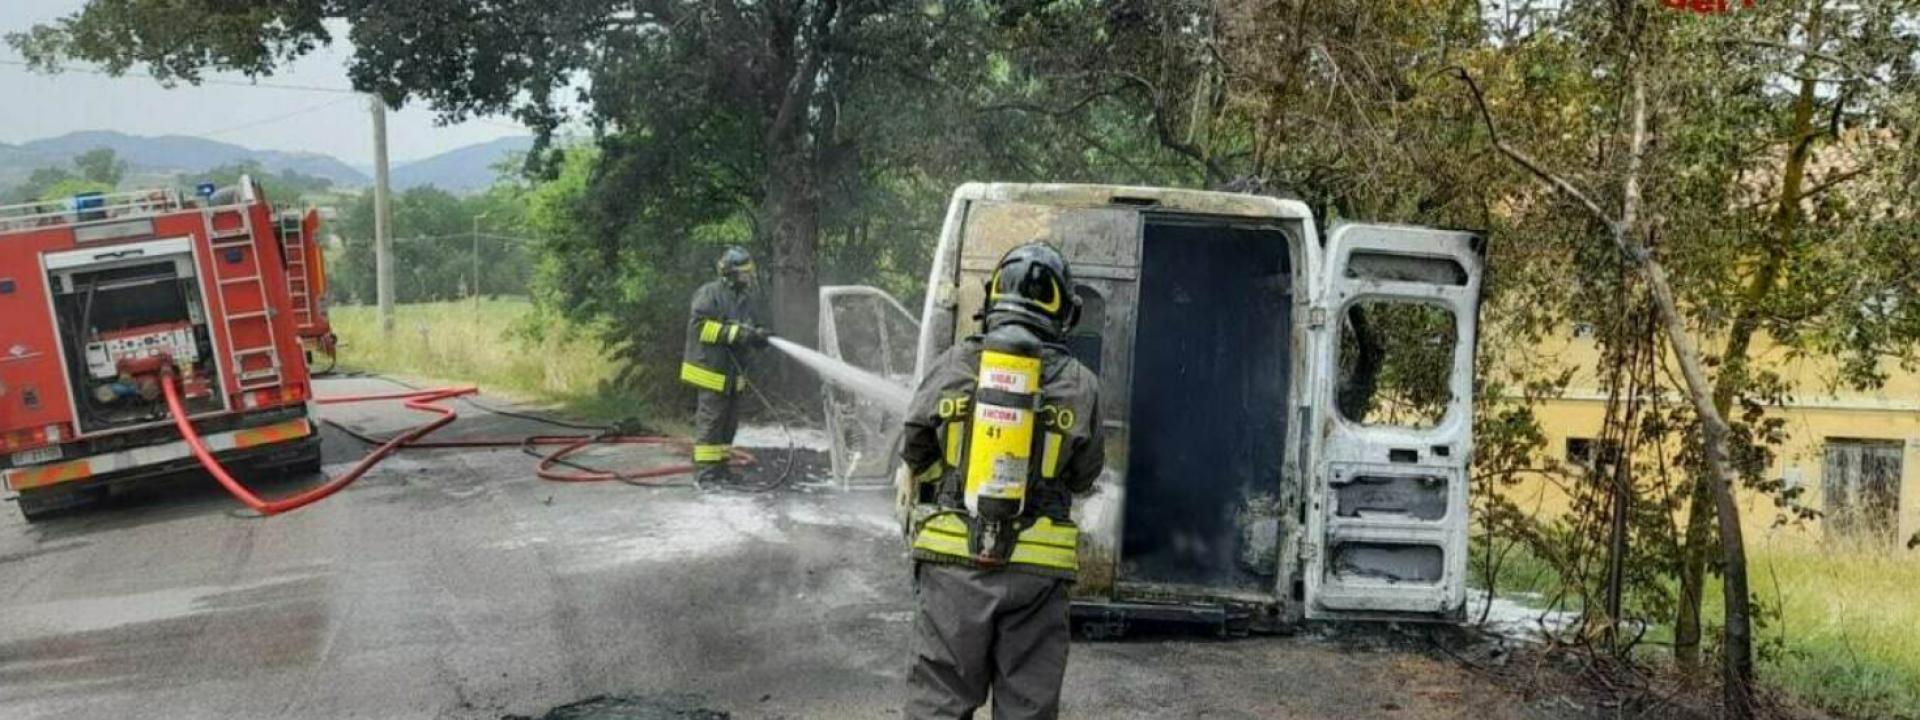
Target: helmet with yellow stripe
(736,265)
(1033,286)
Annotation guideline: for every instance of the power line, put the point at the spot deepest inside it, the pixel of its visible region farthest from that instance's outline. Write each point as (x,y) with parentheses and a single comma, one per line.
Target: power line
(276,118)
(240,84)
(202,81)
(457,236)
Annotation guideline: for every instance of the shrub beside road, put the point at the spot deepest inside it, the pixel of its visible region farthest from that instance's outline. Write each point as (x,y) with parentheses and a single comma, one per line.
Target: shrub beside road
(504,345)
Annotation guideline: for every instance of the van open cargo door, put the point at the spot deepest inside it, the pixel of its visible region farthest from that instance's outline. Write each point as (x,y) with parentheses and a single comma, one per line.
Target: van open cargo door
(865,327)
(1386,531)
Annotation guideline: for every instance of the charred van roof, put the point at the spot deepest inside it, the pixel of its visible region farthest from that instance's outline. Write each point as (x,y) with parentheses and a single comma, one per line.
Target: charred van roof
(1167,199)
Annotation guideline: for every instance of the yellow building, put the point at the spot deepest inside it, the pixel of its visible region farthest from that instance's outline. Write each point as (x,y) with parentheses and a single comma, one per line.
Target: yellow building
(1857,454)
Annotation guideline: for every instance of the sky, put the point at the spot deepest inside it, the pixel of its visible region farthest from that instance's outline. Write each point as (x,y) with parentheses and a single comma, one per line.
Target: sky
(257,117)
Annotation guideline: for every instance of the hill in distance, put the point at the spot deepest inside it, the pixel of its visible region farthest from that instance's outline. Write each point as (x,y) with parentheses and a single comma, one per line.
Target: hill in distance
(462,170)
(166,154)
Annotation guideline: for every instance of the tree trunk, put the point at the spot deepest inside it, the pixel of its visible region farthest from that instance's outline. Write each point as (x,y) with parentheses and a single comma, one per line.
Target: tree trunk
(1737,680)
(792,210)
(791,206)
(1698,547)
(1627,233)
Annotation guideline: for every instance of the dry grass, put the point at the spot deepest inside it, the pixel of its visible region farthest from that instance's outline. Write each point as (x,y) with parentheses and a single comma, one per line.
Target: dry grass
(505,346)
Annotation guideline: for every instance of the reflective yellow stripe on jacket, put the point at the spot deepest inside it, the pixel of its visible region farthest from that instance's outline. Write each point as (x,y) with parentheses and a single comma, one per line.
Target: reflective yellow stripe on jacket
(703,378)
(943,534)
(1049,546)
(715,332)
(932,473)
(1050,457)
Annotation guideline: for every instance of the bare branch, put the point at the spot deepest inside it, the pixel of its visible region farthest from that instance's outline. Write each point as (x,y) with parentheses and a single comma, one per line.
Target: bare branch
(1037,109)
(804,81)
(1170,139)
(1843,63)
(1830,183)
(1551,178)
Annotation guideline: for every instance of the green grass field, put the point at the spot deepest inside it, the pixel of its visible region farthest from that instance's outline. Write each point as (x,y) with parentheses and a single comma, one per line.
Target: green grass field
(1846,638)
(1849,629)
(505,345)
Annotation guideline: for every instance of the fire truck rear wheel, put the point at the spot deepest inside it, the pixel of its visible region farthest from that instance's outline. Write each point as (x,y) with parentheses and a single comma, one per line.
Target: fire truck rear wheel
(38,505)
(310,466)
(307,465)
(33,508)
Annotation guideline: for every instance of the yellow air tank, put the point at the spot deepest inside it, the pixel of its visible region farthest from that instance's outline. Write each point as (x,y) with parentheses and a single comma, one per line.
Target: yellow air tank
(1000,441)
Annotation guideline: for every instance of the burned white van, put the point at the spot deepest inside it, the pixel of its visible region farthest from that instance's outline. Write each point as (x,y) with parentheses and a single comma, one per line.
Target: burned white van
(1288,414)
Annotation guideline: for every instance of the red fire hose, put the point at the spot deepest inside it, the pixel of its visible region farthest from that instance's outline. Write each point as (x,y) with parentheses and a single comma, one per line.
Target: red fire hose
(423,401)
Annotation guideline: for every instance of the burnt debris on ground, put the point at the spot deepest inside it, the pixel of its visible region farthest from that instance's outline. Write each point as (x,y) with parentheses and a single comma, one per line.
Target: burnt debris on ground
(630,707)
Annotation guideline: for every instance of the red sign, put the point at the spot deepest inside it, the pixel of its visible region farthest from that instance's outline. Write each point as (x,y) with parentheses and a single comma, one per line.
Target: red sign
(1704,7)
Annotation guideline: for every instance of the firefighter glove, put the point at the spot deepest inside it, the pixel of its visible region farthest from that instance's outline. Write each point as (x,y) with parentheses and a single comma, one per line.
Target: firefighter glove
(754,335)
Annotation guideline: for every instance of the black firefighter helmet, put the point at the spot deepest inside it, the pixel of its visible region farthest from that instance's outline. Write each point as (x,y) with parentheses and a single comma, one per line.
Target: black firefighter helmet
(1033,286)
(736,266)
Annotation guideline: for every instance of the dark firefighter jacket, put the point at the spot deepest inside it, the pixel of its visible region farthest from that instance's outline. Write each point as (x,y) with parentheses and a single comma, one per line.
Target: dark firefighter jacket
(714,332)
(1072,454)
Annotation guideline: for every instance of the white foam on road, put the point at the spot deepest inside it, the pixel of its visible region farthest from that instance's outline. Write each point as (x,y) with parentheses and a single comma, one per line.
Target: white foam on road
(715,525)
(88,614)
(764,437)
(1512,619)
(875,523)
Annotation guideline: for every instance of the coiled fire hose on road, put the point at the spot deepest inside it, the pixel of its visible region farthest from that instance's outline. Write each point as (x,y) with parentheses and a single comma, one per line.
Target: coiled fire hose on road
(423,401)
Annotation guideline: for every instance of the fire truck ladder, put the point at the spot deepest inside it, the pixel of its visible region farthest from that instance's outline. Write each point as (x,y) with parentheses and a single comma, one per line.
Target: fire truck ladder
(293,240)
(238,270)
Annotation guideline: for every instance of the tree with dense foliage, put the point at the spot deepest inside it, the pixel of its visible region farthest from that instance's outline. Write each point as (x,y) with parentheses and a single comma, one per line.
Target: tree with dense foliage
(1355,106)
(433,246)
(99,170)
(102,166)
(38,183)
(746,91)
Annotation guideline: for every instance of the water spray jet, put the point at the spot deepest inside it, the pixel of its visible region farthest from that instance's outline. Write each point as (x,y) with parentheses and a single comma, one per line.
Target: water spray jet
(889,395)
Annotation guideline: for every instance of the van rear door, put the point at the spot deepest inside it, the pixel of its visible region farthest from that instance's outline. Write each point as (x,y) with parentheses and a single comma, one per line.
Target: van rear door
(1394,328)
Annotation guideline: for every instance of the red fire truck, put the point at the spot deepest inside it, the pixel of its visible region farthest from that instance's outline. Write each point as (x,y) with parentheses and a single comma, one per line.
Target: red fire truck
(97,290)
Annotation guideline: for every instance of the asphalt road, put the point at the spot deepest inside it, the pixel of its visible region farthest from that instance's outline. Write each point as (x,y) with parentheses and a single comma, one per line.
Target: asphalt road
(455,584)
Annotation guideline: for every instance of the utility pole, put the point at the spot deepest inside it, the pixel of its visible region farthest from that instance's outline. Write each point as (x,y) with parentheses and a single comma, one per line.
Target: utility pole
(476,264)
(382,222)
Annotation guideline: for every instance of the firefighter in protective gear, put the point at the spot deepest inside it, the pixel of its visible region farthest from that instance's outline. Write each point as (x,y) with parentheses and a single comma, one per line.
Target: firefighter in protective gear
(726,324)
(1002,433)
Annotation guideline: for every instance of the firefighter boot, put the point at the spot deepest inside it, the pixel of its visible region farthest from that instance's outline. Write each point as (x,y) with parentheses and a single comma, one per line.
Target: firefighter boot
(718,475)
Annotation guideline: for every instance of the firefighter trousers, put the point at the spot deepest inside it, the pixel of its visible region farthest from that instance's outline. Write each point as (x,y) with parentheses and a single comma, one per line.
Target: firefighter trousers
(987,630)
(715,419)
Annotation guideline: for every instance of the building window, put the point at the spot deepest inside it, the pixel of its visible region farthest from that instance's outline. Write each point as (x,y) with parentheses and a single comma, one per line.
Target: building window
(1860,490)
(1593,454)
